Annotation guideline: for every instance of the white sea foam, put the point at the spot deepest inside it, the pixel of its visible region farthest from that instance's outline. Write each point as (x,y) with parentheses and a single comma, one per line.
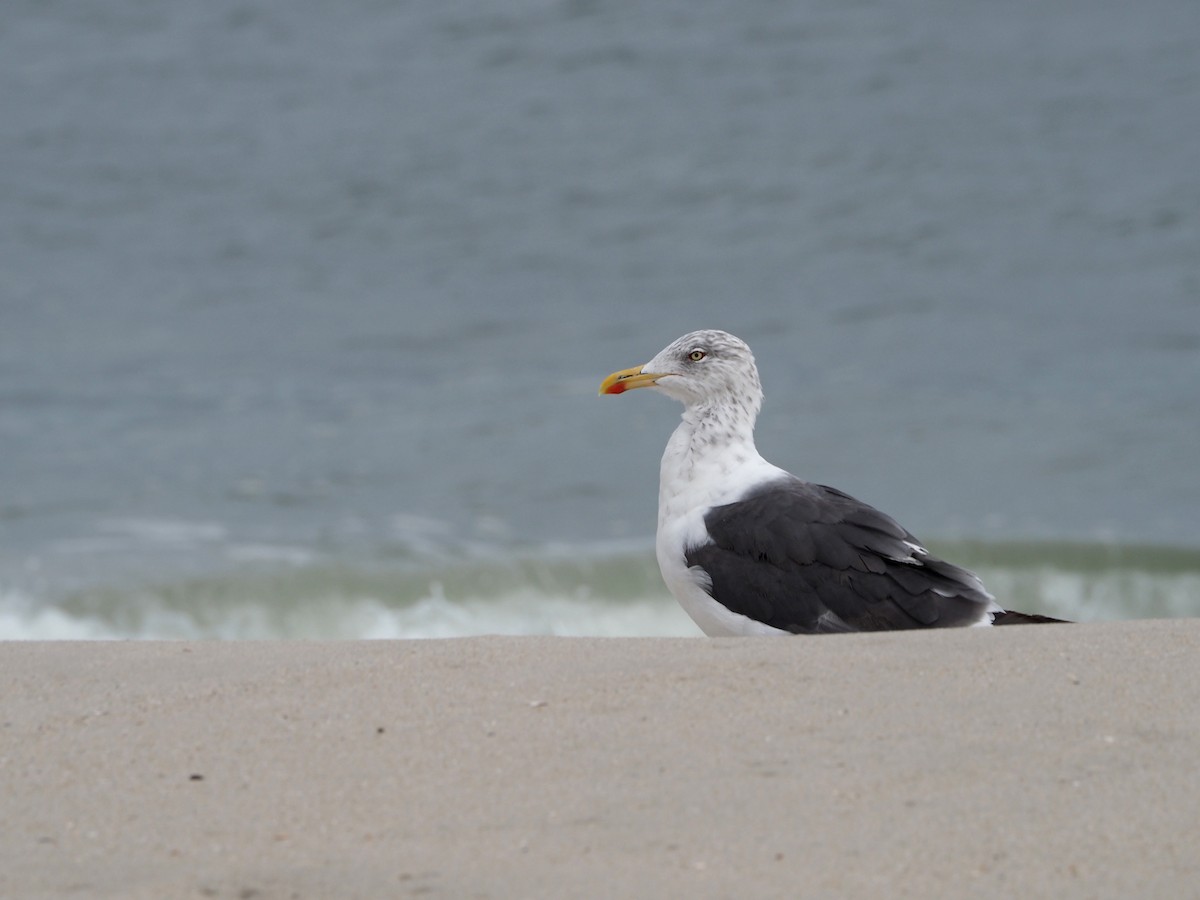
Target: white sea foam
(23,620)
(433,616)
(279,595)
(1096,597)
(522,612)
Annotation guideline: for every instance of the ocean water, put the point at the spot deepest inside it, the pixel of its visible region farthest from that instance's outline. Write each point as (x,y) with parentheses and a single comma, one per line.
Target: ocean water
(303,308)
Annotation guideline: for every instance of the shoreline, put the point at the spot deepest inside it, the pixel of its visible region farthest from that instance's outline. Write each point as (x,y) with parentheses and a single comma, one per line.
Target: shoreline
(1016,761)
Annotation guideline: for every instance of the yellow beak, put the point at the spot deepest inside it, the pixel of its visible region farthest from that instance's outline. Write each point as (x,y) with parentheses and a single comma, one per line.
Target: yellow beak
(627,380)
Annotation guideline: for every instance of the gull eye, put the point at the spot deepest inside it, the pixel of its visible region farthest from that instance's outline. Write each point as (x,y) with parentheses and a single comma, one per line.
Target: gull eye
(697,355)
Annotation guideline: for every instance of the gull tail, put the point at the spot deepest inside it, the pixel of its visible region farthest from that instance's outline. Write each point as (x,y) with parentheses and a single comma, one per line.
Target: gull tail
(1015,618)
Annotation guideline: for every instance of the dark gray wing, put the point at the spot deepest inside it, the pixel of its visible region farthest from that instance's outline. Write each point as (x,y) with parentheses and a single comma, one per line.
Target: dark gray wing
(809,559)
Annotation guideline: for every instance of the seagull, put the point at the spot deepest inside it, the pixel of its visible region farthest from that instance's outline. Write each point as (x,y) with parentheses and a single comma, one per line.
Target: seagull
(747,548)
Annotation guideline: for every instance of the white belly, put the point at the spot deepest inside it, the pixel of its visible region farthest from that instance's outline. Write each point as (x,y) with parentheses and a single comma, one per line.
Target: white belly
(690,588)
(716,620)
(689,485)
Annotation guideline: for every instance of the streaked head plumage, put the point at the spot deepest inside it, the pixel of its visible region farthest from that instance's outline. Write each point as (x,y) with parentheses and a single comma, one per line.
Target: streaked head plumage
(702,367)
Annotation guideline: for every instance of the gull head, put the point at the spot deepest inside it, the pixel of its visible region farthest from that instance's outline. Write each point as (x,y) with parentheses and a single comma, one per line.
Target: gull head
(703,368)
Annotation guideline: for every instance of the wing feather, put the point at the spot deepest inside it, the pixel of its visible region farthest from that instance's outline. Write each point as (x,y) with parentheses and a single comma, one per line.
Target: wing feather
(808,558)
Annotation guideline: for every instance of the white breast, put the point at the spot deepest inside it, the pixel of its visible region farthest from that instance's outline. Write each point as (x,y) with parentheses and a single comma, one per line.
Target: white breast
(690,485)
(690,588)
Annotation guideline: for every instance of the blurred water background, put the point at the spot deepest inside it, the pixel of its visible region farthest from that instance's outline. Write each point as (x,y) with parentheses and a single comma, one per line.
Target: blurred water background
(303,306)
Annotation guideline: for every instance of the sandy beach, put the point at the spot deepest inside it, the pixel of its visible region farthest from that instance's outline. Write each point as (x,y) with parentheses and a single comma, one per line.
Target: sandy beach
(1053,761)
